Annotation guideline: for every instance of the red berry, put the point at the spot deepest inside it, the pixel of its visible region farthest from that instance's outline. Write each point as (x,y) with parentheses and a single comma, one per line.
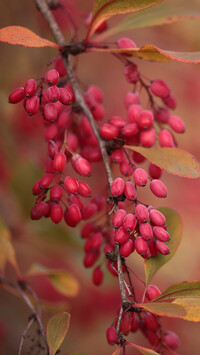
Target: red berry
(100,201)
(71,184)
(126,321)
(46,181)
(157,218)
(134,112)
(89,211)
(88,229)
(161,234)
(135,322)
(82,166)
(146,231)
(127,248)
(30,88)
(152,292)
(32,105)
(145,120)
(125,168)
(140,177)
(90,258)
(72,215)
(141,247)
(50,112)
(118,218)
(84,189)
(97,276)
(36,188)
(130,130)
(16,96)
(60,67)
(162,115)
(59,162)
(117,187)
(75,199)
(130,191)
(148,137)
(170,101)
(177,124)
(53,93)
(121,236)
(51,132)
(166,138)
(39,210)
(117,156)
(131,98)
(138,158)
(158,188)
(111,335)
(129,222)
(171,339)
(52,77)
(160,88)
(65,96)
(154,171)
(151,321)
(56,213)
(125,43)
(109,131)
(142,213)
(162,247)
(93,93)
(56,192)
(118,122)
(131,73)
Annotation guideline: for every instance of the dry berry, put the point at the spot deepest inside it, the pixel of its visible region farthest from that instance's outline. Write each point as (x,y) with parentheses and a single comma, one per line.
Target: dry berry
(131,73)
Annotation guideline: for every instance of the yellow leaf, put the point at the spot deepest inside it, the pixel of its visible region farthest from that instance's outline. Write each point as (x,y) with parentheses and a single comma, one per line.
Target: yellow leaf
(192,307)
(57,328)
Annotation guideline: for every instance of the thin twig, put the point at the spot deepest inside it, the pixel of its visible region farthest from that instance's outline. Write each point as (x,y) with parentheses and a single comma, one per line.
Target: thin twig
(31,320)
(26,299)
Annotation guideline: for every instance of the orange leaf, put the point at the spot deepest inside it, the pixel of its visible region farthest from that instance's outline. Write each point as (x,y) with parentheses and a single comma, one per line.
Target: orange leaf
(165,309)
(173,160)
(104,9)
(153,53)
(22,36)
(192,307)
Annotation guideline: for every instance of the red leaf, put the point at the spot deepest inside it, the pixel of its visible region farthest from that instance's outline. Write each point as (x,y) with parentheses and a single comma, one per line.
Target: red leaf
(22,36)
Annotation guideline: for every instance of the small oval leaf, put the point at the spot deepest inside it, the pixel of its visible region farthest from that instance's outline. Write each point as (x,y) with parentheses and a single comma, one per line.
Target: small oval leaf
(180,290)
(174,228)
(192,307)
(173,160)
(142,350)
(22,36)
(57,328)
(62,281)
(104,9)
(165,309)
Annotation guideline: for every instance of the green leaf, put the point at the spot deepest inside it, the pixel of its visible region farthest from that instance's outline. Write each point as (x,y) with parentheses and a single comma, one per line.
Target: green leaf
(165,309)
(174,228)
(57,328)
(192,307)
(22,36)
(164,13)
(7,252)
(180,290)
(62,281)
(173,160)
(153,53)
(142,350)
(104,9)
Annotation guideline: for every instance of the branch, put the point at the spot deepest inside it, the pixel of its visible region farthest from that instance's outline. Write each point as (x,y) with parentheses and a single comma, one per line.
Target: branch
(43,7)
(34,314)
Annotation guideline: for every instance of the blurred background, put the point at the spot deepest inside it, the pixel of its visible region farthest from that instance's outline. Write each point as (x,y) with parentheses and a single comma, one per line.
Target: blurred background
(23,150)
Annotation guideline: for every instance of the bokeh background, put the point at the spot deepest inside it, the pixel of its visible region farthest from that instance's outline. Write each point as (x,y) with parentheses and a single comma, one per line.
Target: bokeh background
(22,155)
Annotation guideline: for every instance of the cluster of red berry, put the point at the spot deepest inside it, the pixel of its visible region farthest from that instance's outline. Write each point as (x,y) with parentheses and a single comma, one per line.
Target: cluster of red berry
(147,323)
